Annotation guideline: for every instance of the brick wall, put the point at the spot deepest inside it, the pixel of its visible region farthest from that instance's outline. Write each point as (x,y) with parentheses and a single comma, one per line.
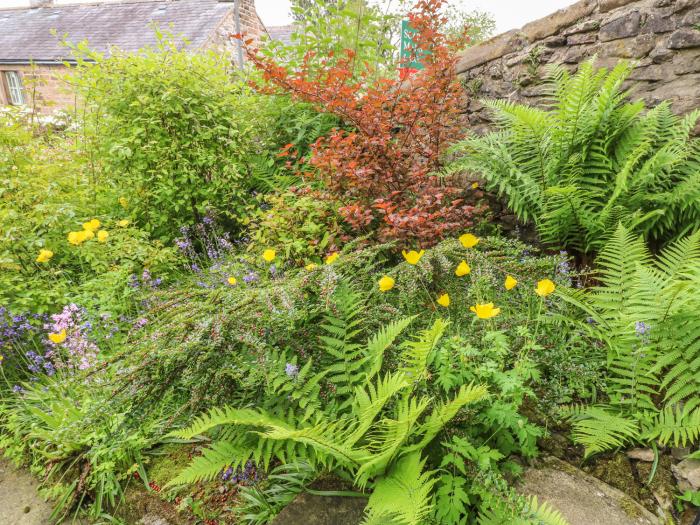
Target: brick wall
(42,83)
(662,36)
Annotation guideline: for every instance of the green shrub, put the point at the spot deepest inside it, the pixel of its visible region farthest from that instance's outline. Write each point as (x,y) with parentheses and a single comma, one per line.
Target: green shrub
(171,130)
(302,226)
(590,161)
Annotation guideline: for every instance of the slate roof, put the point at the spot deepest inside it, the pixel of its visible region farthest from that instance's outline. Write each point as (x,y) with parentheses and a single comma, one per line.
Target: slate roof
(281,33)
(26,34)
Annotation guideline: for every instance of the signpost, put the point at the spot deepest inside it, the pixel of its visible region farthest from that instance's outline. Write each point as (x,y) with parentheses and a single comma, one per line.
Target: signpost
(410,55)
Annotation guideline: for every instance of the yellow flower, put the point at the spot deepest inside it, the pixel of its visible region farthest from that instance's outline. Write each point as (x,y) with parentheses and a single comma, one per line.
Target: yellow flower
(475,185)
(332,257)
(510,283)
(311,266)
(386,283)
(102,235)
(544,287)
(468,240)
(123,202)
(413,256)
(44,256)
(462,269)
(58,338)
(123,223)
(444,300)
(232,281)
(485,311)
(77,238)
(87,235)
(92,225)
(269,255)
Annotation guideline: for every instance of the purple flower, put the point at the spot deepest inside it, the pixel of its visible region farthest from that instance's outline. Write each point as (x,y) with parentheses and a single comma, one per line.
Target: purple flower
(291,370)
(250,277)
(641,328)
(17,389)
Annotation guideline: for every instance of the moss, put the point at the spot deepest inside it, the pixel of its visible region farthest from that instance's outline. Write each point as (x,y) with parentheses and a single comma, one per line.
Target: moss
(168,462)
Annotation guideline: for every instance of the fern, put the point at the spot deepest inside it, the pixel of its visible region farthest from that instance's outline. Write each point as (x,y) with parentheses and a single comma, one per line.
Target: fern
(372,431)
(403,496)
(594,160)
(646,310)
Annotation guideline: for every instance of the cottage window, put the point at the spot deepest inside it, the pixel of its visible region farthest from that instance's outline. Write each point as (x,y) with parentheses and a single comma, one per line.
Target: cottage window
(15,88)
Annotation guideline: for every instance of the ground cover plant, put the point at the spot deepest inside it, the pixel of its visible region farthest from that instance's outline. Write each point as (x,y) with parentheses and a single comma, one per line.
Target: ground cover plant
(262,283)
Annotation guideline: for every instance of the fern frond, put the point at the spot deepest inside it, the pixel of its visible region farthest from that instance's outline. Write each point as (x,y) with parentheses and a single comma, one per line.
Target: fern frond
(403,495)
(598,428)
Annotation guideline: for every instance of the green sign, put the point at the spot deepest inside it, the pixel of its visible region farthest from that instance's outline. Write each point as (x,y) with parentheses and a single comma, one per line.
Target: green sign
(410,54)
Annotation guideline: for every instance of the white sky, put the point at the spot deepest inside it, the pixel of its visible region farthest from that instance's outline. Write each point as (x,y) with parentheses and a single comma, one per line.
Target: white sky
(509,14)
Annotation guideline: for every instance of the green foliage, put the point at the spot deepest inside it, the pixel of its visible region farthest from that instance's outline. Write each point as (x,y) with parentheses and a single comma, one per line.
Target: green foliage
(372,421)
(172,131)
(64,430)
(300,225)
(594,159)
(46,191)
(645,310)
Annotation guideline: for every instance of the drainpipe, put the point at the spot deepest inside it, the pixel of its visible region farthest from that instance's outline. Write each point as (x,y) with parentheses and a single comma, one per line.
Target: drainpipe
(237,14)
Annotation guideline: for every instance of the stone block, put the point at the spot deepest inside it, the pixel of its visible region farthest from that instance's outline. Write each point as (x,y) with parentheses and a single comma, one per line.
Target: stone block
(583,27)
(492,49)
(637,47)
(554,23)
(621,27)
(658,22)
(660,54)
(684,38)
(608,5)
(582,38)
(692,18)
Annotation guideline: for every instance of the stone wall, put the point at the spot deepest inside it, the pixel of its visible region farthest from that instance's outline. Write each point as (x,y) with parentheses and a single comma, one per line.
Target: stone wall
(662,36)
(251,27)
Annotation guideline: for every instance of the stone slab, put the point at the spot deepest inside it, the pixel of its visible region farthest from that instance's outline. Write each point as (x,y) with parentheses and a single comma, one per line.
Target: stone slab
(582,499)
(309,509)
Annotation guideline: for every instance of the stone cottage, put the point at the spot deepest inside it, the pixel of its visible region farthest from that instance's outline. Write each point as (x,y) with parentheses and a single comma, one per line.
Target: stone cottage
(32,57)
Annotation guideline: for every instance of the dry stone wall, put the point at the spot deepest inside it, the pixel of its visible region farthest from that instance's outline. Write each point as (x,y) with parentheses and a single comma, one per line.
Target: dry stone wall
(661,36)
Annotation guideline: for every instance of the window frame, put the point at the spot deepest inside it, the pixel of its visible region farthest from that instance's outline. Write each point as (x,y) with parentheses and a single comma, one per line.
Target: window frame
(16,95)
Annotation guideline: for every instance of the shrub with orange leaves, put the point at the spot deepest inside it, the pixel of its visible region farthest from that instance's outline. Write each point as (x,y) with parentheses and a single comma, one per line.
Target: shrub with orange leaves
(383,165)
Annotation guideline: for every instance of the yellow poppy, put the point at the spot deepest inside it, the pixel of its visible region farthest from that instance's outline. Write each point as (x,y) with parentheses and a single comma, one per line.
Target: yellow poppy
(269,255)
(58,338)
(332,257)
(468,240)
(92,225)
(232,281)
(123,223)
(123,202)
(544,287)
(102,235)
(444,300)
(485,311)
(462,269)
(44,256)
(511,282)
(311,266)
(386,283)
(413,256)
(76,238)
(475,185)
